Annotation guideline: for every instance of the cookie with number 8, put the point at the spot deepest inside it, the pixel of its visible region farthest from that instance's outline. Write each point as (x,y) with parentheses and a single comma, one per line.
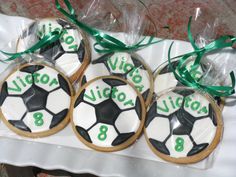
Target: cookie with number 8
(35,100)
(108,113)
(183,125)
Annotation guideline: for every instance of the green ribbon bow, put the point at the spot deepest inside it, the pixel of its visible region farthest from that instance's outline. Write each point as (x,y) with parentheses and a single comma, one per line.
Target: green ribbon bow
(45,41)
(184,75)
(104,42)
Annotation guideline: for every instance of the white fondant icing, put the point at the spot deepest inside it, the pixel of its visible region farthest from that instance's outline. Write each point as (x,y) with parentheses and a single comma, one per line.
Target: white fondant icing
(171,144)
(164,105)
(13,108)
(30,121)
(111,135)
(128,94)
(91,94)
(53,76)
(96,70)
(84,115)
(158,129)
(15,85)
(200,102)
(164,81)
(68,44)
(127,122)
(203,131)
(58,100)
(68,63)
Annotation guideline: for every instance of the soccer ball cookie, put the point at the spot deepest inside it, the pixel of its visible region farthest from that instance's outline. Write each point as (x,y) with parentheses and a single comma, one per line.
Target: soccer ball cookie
(70,54)
(35,101)
(125,65)
(183,126)
(108,114)
(165,79)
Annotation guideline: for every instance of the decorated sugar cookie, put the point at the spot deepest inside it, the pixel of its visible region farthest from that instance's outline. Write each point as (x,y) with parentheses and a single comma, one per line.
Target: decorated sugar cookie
(108,114)
(165,79)
(125,65)
(183,126)
(35,101)
(70,54)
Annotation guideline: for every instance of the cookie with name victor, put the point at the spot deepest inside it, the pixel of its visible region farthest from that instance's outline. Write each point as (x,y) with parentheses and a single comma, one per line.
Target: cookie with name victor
(125,65)
(164,78)
(108,114)
(183,126)
(35,100)
(70,54)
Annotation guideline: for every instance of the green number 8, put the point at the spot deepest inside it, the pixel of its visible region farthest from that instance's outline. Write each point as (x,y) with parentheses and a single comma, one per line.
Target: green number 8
(38,118)
(179,147)
(102,135)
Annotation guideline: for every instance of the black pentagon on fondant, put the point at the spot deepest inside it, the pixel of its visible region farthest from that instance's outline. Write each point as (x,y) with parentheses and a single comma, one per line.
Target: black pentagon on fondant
(31,68)
(136,62)
(83,133)
(20,125)
(138,108)
(151,114)
(103,58)
(184,92)
(161,147)
(107,112)
(184,120)
(64,24)
(53,51)
(114,82)
(122,138)
(81,51)
(58,118)
(79,99)
(4,93)
(197,149)
(35,98)
(64,84)
(84,80)
(212,115)
(145,94)
(30,30)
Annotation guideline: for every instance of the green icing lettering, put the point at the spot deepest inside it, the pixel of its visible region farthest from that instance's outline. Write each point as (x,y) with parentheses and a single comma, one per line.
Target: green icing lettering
(113,92)
(21,81)
(128,67)
(179,144)
(204,110)
(195,105)
(102,134)
(44,79)
(121,97)
(165,108)
(16,88)
(137,79)
(35,77)
(69,40)
(179,101)
(139,88)
(129,102)
(29,79)
(106,92)
(74,47)
(53,82)
(91,96)
(186,101)
(112,65)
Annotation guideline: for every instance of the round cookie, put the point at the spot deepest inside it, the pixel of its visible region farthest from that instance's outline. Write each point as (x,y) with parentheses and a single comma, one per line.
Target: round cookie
(35,100)
(70,54)
(125,65)
(108,114)
(183,126)
(165,79)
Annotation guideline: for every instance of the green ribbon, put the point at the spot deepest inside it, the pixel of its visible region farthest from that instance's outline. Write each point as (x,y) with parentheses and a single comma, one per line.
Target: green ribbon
(104,42)
(45,41)
(184,75)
